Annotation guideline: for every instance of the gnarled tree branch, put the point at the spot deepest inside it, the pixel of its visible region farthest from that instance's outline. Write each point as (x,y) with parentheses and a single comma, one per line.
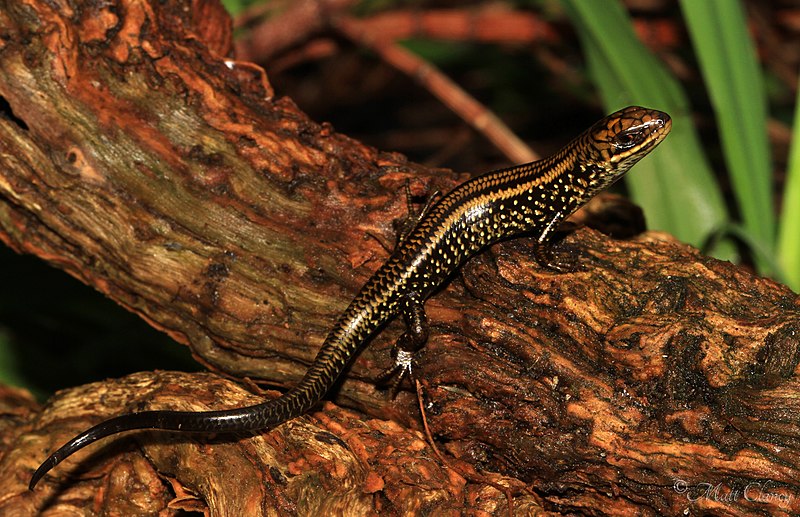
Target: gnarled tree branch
(139,158)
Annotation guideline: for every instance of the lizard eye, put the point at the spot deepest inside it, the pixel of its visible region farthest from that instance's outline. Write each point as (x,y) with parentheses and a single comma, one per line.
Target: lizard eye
(627,139)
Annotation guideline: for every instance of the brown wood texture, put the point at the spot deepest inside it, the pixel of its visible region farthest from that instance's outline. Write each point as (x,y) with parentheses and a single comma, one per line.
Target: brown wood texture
(140,159)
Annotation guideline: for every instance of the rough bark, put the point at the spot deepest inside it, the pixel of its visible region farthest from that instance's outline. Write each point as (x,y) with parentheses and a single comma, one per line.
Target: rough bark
(137,158)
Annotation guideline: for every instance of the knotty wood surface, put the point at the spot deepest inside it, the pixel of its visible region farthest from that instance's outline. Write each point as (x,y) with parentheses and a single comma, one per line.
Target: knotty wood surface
(141,159)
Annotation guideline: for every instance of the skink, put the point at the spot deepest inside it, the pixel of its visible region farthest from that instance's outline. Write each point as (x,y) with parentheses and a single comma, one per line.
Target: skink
(531,199)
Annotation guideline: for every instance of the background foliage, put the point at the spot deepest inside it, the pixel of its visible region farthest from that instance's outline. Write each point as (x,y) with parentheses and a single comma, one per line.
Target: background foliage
(727,180)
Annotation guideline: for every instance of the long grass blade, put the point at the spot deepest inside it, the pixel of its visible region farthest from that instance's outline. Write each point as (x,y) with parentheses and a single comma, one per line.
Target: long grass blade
(730,68)
(675,184)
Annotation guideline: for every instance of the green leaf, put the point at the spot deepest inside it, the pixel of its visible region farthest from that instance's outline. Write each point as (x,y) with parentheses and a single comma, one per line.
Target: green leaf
(730,69)
(789,236)
(235,7)
(675,184)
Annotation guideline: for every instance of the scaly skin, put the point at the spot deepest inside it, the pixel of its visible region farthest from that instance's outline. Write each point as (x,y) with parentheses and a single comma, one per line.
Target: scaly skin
(530,199)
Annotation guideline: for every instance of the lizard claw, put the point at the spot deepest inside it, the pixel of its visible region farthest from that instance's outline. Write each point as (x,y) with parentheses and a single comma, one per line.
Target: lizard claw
(393,376)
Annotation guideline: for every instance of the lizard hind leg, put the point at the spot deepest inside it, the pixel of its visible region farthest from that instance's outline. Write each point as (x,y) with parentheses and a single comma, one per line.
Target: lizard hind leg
(412,308)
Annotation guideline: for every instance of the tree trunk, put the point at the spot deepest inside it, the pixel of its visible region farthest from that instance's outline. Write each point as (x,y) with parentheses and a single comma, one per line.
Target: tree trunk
(138,157)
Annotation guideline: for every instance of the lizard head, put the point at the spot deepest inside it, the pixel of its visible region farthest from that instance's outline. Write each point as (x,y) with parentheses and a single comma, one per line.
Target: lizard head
(608,149)
(621,139)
